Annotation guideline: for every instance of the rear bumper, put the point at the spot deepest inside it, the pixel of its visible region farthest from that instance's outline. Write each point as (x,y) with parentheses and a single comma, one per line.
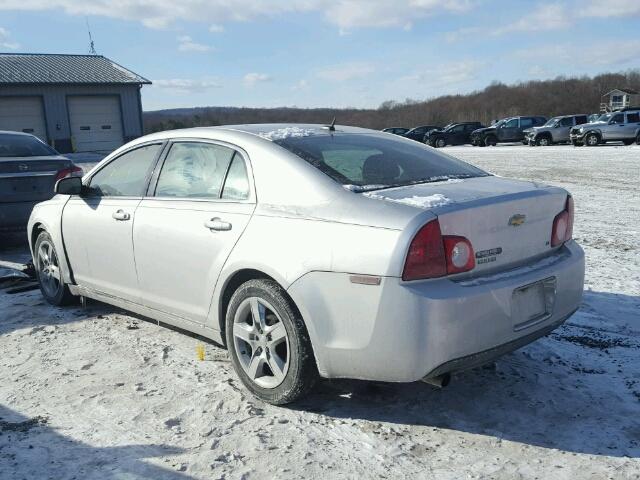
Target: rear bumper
(404,331)
(15,216)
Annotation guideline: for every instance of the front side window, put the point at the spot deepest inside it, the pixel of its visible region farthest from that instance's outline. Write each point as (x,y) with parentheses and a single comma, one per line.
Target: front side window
(368,162)
(194,170)
(526,122)
(126,176)
(566,122)
(12,145)
(618,118)
(513,123)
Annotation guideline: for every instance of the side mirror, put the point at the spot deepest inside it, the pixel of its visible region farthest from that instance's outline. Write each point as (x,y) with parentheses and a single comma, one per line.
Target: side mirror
(69,186)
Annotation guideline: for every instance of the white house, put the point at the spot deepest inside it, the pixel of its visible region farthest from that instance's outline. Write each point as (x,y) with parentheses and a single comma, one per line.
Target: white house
(619,98)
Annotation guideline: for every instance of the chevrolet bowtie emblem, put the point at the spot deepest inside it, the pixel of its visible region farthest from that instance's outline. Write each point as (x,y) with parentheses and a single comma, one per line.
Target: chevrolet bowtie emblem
(517,220)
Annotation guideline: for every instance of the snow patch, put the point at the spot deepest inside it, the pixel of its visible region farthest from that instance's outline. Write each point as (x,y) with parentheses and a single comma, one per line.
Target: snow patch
(431,201)
(289,132)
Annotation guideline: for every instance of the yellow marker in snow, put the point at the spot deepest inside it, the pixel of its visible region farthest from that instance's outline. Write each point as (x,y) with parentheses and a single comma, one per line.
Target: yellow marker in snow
(200,352)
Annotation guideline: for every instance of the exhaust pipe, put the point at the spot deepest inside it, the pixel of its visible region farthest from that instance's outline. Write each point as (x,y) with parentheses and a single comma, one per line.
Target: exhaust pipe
(440,381)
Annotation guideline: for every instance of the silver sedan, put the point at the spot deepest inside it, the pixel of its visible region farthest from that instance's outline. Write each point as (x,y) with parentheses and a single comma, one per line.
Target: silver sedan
(313,250)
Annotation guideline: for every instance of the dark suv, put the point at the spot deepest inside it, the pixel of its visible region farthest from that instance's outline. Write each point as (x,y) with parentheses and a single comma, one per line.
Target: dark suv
(506,130)
(418,133)
(453,134)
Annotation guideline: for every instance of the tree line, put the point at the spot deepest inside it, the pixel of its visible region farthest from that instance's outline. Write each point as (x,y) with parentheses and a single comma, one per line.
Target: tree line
(559,96)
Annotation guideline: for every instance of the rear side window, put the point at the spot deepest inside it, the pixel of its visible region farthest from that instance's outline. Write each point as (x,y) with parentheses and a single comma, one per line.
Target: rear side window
(236,186)
(633,117)
(581,119)
(368,162)
(194,170)
(126,176)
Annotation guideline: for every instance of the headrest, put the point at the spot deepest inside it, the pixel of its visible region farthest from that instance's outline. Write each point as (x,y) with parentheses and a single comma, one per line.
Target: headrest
(378,169)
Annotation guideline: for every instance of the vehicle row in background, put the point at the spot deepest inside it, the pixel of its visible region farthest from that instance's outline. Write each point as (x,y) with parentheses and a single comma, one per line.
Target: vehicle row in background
(453,134)
(29,169)
(622,126)
(507,130)
(556,130)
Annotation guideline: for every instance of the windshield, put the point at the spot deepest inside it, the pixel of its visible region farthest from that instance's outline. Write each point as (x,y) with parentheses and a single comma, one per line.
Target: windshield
(552,122)
(499,123)
(365,162)
(605,118)
(13,145)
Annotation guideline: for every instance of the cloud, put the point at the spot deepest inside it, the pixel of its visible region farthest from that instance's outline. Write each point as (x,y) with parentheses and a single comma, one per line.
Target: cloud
(345,71)
(250,79)
(345,14)
(447,74)
(600,54)
(5,40)
(183,85)
(300,85)
(546,17)
(186,44)
(610,8)
(216,28)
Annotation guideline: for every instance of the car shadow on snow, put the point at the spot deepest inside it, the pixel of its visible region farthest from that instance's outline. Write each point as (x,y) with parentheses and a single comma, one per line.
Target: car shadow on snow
(576,390)
(30,448)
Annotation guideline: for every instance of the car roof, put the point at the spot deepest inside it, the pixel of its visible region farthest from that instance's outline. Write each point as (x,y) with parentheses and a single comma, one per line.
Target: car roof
(11,132)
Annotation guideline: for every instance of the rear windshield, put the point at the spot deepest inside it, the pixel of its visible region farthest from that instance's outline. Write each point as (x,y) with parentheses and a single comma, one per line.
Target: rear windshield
(367,162)
(23,146)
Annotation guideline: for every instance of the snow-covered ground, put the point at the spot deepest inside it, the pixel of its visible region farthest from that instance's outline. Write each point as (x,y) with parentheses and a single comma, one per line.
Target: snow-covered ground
(98,394)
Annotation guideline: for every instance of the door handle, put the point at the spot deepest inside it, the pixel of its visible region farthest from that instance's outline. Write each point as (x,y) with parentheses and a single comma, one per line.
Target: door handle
(218,225)
(121,215)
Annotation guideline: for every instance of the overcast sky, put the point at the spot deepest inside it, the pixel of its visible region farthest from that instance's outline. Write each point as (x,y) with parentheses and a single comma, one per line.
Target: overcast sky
(341,53)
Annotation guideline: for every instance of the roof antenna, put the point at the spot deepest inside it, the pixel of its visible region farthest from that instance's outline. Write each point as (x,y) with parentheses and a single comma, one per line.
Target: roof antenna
(332,127)
(92,49)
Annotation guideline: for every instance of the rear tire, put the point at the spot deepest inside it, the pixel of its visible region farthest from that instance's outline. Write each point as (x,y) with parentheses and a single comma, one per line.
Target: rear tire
(272,355)
(48,273)
(638,139)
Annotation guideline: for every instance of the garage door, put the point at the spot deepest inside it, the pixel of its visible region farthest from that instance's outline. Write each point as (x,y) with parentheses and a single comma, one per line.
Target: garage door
(96,123)
(23,114)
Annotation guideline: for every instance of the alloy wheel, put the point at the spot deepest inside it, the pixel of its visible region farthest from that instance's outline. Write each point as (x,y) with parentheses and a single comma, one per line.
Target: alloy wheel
(48,269)
(261,342)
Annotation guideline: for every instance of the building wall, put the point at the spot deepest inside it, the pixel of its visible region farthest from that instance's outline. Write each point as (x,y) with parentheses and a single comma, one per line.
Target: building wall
(57,116)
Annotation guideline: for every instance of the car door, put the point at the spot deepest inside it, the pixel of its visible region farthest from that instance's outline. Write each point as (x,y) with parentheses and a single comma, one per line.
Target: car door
(615,129)
(455,135)
(508,131)
(631,125)
(561,132)
(98,225)
(185,228)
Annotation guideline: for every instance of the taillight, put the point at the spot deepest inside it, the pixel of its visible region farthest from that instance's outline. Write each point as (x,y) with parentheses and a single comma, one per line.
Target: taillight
(562,230)
(433,255)
(459,254)
(73,171)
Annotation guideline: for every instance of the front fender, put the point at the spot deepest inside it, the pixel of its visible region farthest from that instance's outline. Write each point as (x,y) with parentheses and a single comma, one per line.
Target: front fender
(48,216)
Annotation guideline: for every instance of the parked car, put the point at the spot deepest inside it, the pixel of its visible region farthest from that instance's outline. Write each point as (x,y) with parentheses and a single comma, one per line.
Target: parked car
(29,169)
(622,125)
(396,130)
(418,133)
(454,134)
(315,251)
(504,131)
(556,130)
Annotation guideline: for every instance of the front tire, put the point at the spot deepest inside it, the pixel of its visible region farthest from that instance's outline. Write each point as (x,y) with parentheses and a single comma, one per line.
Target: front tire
(269,344)
(491,141)
(543,141)
(592,140)
(48,273)
(440,142)
(628,142)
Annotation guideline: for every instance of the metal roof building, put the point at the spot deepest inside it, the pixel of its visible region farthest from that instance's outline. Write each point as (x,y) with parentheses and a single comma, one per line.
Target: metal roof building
(73,102)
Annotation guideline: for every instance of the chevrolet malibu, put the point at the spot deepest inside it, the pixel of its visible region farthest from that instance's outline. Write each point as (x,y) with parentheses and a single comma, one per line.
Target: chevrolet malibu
(314,251)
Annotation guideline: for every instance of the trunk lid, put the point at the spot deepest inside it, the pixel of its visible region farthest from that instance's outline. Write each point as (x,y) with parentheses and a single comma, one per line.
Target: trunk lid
(508,222)
(24,179)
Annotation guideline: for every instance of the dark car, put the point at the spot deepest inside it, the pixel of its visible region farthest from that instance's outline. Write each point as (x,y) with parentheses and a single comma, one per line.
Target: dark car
(506,130)
(418,133)
(29,169)
(396,130)
(453,134)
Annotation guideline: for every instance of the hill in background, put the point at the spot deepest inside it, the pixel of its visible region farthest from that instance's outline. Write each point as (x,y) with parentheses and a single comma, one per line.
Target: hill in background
(559,96)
